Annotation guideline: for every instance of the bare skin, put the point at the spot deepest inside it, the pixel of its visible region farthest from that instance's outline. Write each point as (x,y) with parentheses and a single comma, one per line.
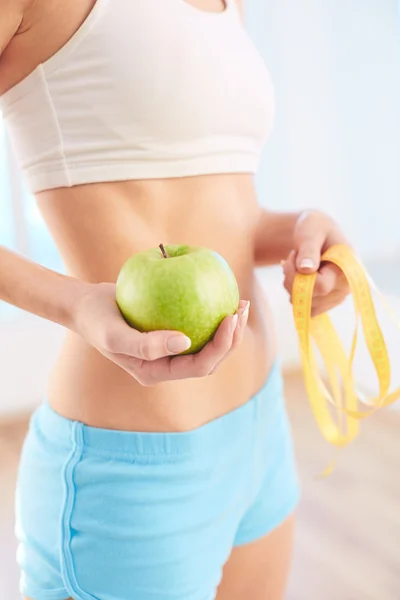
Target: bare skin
(223,214)
(259,571)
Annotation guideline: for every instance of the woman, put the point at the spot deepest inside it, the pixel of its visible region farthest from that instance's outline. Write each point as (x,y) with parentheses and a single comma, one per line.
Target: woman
(149,475)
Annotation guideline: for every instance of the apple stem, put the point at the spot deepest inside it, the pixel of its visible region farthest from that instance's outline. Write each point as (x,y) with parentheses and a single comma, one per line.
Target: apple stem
(165,255)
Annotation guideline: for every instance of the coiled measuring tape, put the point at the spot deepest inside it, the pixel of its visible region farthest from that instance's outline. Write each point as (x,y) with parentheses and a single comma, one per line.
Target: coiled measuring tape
(341,425)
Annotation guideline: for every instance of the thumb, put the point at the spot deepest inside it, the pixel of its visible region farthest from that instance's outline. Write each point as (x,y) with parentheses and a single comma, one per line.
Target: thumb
(309,238)
(146,346)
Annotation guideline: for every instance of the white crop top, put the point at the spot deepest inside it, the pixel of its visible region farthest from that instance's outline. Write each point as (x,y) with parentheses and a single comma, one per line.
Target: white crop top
(144,89)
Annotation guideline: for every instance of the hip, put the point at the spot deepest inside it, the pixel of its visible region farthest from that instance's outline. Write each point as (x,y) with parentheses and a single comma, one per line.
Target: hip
(100,512)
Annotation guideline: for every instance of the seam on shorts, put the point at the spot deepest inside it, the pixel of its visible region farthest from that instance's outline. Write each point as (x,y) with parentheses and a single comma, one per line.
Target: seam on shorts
(66,559)
(128,457)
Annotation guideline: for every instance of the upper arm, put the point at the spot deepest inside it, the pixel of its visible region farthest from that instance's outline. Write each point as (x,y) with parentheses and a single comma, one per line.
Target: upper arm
(11,16)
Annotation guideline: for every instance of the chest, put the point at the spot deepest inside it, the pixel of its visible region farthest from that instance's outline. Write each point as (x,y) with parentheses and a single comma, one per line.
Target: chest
(161,59)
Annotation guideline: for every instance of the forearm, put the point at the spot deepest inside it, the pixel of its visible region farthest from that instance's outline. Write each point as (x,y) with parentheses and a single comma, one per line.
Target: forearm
(274,237)
(38,290)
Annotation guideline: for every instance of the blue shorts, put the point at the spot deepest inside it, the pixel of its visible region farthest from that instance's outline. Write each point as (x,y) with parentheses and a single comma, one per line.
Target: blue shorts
(111,515)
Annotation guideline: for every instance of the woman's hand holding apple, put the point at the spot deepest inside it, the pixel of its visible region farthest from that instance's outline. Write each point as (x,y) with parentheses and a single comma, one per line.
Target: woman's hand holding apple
(150,357)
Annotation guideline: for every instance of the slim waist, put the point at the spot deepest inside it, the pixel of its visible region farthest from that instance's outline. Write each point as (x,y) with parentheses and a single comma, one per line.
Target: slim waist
(212,435)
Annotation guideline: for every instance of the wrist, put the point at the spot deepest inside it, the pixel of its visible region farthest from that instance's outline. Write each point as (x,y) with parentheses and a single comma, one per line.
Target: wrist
(75,293)
(275,233)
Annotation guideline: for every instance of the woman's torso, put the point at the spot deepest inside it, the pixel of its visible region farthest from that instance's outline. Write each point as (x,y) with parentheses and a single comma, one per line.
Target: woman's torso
(98,226)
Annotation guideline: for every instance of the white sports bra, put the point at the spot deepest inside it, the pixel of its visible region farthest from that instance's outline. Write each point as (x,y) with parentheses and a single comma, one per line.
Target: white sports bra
(144,89)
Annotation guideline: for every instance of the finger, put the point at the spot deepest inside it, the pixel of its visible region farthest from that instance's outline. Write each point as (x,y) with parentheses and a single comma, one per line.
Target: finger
(205,361)
(327,280)
(202,363)
(289,263)
(243,315)
(146,372)
(123,339)
(189,365)
(337,296)
(130,364)
(323,304)
(309,238)
(342,284)
(289,272)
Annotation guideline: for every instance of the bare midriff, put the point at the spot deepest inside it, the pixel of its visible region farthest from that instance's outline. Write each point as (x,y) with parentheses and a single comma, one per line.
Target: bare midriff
(96,228)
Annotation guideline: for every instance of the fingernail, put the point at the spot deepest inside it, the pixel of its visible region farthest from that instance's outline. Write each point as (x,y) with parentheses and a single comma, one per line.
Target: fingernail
(307,263)
(282,263)
(245,311)
(233,323)
(243,315)
(178,343)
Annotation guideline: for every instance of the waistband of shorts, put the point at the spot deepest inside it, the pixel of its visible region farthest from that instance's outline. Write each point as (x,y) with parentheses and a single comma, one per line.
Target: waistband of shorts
(223,430)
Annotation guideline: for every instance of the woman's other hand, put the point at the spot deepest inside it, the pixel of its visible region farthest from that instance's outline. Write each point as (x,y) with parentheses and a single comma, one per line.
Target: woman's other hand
(313,234)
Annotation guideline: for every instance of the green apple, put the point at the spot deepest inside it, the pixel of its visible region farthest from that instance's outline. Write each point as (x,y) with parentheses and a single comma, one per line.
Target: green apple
(184,288)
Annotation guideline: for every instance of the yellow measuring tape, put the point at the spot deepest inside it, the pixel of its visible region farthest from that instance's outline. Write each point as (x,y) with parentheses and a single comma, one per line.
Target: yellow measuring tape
(340,425)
